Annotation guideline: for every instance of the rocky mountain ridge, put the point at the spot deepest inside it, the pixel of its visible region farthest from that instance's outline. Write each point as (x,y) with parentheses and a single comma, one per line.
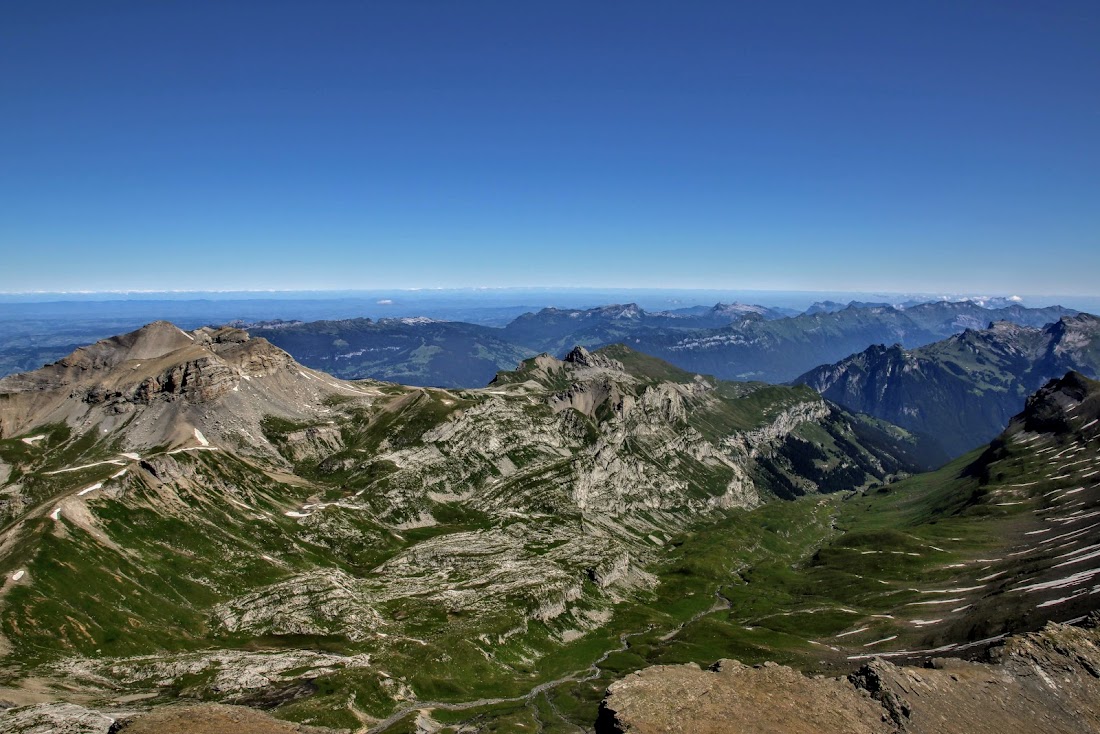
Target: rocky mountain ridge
(730,341)
(963,390)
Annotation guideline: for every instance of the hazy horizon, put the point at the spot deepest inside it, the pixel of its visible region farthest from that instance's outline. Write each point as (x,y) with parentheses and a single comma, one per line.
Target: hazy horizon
(485,305)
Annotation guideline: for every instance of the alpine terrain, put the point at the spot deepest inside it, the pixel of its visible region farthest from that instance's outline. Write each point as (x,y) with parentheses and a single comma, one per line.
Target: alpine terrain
(195,516)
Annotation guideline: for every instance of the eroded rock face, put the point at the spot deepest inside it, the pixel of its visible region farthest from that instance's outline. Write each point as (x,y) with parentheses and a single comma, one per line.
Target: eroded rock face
(312,604)
(584,358)
(1047,681)
(66,718)
(55,718)
(313,442)
(158,383)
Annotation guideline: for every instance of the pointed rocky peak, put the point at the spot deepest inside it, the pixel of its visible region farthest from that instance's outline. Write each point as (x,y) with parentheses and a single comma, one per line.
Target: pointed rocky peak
(880,350)
(1053,406)
(581,357)
(1082,322)
(824,307)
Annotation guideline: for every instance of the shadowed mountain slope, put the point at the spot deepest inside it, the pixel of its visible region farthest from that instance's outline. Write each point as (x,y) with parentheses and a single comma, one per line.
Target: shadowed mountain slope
(752,346)
(960,391)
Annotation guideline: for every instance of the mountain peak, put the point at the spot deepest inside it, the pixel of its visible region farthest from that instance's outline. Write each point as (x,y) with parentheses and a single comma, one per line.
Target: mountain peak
(621,311)
(1049,409)
(583,358)
(174,380)
(151,341)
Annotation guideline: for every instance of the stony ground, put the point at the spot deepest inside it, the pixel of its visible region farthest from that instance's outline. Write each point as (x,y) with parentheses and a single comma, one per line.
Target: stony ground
(1046,682)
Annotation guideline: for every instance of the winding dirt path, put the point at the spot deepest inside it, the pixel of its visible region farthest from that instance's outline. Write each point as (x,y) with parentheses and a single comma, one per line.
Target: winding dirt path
(592,672)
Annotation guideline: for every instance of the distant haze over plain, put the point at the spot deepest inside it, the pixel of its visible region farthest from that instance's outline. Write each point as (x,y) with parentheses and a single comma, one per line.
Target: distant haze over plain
(481,305)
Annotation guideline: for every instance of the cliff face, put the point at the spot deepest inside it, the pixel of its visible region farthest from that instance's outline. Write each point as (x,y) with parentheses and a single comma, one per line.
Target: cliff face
(158,384)
(1043,682)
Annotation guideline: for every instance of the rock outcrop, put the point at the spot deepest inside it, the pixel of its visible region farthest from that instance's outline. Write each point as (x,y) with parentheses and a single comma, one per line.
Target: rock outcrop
(1045,682)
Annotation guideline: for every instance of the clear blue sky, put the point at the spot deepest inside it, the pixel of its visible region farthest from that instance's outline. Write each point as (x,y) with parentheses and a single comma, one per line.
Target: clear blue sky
(932,146)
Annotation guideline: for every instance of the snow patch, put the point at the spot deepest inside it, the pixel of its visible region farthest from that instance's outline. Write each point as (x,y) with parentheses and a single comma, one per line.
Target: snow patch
(853,632)
(86,490)
(116,462)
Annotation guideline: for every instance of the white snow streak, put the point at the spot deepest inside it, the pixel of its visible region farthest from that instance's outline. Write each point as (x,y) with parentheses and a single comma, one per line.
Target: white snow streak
(86,490)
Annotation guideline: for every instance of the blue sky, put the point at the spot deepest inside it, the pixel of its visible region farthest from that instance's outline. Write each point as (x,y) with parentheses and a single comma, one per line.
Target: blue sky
(924,146)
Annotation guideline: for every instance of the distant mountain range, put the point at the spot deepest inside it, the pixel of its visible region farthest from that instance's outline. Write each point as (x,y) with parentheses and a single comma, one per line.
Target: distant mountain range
(960,391)
(412,351)
(767,347)
(730,341)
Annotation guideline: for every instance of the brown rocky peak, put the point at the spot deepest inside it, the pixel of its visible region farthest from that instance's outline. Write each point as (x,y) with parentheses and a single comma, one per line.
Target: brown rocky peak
(151,341)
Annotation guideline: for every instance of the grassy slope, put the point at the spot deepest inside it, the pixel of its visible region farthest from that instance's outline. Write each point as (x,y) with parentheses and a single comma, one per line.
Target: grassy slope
(783,581)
